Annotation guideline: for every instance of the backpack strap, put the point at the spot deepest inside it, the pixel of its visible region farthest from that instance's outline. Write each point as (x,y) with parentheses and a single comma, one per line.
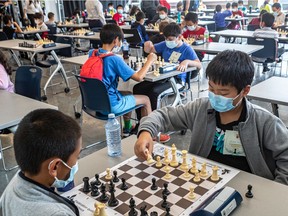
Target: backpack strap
(102,55)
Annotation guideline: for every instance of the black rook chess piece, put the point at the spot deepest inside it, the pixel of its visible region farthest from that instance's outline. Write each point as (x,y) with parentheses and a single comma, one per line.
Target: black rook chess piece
(86,187)
(249,193)
(94,189)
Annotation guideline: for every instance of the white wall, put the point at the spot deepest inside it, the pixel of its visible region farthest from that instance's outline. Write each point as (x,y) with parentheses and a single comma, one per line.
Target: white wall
(51,6)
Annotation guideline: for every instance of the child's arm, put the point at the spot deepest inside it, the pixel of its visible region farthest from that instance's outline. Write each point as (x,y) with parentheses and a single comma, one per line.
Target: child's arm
(139,76)
(18,29)
(189,63)
(149,47)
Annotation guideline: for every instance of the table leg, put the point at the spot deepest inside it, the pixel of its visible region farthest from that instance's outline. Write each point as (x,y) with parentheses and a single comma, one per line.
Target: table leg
(15,58)
(58,68)
(38,36)
(177,99)
(275,109)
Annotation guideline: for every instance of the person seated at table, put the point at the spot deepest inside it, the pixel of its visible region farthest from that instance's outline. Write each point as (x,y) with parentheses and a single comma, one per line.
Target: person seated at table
(111,10)
(171,46)
(219,17)
(278,14)
(51,19)
(266,6)
(255,22)
(163,16)
(139,25)
(235,25)
(10,28)
(118,17)
(134,10)
(47,145)
(241,6)
(155,17)
(159,37)
(225,127)
(5,73)
(38,17)
(266,31)
(114,67)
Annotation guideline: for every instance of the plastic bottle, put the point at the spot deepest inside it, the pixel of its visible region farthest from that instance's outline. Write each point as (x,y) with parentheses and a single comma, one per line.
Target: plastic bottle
(250,9)
(113,136)
(179,17)
(206,36)
(125,49)
(77,19)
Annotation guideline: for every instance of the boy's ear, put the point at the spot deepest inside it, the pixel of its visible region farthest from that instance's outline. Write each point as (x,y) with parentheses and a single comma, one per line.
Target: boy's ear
(53,165)
(246,90)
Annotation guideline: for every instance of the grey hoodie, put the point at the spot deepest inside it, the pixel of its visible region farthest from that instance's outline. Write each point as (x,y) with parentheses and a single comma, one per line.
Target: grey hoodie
(264,137)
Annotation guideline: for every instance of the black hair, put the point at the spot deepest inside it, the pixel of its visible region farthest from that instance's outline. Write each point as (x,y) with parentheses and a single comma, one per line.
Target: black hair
(50,15)
(162,25)
(262,12)
(268,19)
(179,4)
(119,6)
(240,2)
(38,16)
(228,5)
(134,10)
(5,64)
(193,17)
(110,32)
(231,67)
(110,4)
(163,9)
(6,19)
(234,4)
(43,134)
(276,5)
(218,8)
(140,15)
(172,29)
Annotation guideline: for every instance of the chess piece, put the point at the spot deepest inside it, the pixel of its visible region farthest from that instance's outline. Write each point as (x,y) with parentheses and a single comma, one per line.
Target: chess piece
(165,190)
(184,164)
(143,210)
(124,186)
(191,194)
(154,186)
(103,198)
(166,158)
(112,202)
(166,168)
(186,174)
(97,181)
(154,213)
(132,206)
(194,167)
(115,178)
(108,174)
(215,176)
(158,163)
(164,203)
(203,172)
(249,193)
(197,177)
(168,175)
(94,189)
(86,187)
(100,209)
(174,162)
(167,210)
(150,160)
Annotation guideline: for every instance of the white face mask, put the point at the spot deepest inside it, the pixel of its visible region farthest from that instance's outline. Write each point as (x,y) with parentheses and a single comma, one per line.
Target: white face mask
(191,28)
(234,9)
(37,22)
(120,11)
(162,16)
(110,8)
(117,49)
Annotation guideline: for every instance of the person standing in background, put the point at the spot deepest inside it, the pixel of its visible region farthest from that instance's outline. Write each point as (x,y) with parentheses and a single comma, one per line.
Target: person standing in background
(191,5)
(165,4)
(95,12)
(38,8)
(149,8)
(29,11)
(266,6)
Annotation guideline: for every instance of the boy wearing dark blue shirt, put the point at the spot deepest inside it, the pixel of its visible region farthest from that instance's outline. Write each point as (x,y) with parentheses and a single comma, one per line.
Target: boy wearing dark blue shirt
(219,18)
(139,25)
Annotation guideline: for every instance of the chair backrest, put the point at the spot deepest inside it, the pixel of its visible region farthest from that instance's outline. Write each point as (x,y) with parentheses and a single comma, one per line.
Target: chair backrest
(135,39)
(66,52)
(253,27)
(94,95)
(111,21)
(28,80)
(270,47)
(52,31)
(92,23)
(3,36)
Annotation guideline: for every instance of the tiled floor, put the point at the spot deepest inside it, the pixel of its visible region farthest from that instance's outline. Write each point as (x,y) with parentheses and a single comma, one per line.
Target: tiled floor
(93,130)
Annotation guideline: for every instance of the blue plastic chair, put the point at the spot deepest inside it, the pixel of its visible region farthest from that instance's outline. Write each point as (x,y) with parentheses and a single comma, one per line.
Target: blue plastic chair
(28,80)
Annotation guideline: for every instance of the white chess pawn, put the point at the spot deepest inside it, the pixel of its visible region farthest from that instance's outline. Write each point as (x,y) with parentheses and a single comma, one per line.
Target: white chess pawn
(197,177)
(191,194)
(168,175)
(108,174)
(158,163)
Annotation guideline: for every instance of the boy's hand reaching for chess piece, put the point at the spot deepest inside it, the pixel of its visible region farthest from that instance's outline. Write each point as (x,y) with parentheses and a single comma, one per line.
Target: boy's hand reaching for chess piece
(144,145)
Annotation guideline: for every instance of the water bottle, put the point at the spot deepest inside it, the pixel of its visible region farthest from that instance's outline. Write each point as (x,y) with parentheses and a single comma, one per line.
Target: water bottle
(250,9)
(206,36)
(179,17)
(77,19)
(113,136)
(125,49)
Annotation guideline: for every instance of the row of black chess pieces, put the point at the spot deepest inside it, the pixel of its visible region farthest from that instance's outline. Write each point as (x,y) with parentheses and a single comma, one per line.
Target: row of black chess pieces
(26,44)
(112,200)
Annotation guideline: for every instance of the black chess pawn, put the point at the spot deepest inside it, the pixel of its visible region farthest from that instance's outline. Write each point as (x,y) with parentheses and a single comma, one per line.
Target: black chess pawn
(167,210)
(97,181)
(115,178)
(165,191)
(154,186)
(94,190)
(124,186)
(249,193)
(112,202)
(164,203)
(132,206)
(103,198)
(86,187)
(143,210)
(154,213)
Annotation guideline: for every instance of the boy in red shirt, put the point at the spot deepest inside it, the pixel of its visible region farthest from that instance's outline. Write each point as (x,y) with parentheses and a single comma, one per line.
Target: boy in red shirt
(118,17)
(235,13)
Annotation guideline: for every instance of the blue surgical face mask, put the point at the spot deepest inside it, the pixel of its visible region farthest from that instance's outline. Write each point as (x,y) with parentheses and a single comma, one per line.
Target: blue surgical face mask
(221,103)
(275,13)
(162,16)
(171,44)
(120,11)
(63,183)
(117,49)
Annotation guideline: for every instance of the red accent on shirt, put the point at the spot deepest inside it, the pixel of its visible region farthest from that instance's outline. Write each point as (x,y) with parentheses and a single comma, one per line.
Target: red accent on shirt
(198,32)
(165,4)
(119,19)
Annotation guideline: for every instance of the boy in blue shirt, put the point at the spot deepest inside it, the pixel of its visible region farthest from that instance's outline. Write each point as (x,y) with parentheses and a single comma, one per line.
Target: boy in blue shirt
(114,67)
(219,18)
(139,25)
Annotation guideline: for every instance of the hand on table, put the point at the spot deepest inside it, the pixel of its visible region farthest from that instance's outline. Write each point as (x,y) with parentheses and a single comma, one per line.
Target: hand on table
(183,65)
(143,145)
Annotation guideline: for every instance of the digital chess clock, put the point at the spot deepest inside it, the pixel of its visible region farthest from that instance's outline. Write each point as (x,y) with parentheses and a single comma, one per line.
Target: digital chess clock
(168,67)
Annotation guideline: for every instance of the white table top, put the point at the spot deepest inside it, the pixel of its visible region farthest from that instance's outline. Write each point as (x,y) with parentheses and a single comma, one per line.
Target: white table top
(215,48)
(96,36)
(81,25)
(269,197)
(14,107)
(25,32)
(227,18)
(273,90)
(14,45)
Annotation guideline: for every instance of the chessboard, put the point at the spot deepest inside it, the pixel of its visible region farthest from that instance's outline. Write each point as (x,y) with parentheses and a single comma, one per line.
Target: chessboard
(79,32)
(30,29)
(281,32)
(146,182)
